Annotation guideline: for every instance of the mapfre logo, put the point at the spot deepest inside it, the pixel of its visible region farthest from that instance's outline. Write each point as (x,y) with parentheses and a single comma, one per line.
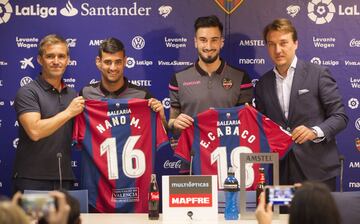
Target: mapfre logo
(5,11)
(321,12)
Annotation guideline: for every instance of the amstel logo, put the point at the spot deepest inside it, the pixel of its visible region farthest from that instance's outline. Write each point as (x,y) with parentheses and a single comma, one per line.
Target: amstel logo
(229,6)
(321,11)
(5,11)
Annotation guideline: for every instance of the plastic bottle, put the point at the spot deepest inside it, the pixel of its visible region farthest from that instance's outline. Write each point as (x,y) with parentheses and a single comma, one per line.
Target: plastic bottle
(260,185)
(231,188)
(154,198)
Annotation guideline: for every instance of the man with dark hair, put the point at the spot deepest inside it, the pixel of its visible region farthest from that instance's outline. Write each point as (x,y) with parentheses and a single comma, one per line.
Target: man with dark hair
(304,99)
(210,82)
(45,108)
(111,62)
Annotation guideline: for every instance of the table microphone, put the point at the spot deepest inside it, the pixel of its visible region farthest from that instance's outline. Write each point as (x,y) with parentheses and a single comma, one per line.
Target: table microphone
(59,156)
(192,153)
(341,158)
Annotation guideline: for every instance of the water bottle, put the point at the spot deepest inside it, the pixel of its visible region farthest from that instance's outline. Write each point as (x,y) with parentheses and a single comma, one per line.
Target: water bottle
(231,188)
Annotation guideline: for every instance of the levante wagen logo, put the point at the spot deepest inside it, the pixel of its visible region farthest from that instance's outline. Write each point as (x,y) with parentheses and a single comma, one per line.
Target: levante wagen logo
(229,6)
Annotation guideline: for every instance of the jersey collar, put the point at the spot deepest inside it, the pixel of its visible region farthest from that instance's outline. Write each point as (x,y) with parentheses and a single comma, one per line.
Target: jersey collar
(203,73)
(117,92)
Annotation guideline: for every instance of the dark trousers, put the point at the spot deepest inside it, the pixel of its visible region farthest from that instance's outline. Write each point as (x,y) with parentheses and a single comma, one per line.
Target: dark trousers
(21,184)
(291,173)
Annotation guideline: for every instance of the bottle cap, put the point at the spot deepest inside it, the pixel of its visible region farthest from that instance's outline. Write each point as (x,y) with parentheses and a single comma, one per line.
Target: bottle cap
(231,170)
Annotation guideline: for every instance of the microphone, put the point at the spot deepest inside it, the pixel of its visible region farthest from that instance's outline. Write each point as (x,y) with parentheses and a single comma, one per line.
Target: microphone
(59,156)
(192,153)
(341,159)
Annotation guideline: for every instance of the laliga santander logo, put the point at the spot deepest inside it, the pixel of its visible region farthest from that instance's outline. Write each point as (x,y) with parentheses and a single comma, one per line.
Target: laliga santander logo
(321,11)
(5,11)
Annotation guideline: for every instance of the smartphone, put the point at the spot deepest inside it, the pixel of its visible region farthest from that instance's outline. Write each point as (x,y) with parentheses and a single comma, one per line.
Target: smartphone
(279,194)
(37,205)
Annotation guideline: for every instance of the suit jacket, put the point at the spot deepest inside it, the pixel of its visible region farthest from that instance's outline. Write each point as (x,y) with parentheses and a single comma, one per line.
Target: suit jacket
(315,101)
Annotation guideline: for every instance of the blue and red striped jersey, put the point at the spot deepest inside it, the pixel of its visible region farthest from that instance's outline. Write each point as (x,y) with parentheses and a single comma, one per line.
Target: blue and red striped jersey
(119,138)
(218,136)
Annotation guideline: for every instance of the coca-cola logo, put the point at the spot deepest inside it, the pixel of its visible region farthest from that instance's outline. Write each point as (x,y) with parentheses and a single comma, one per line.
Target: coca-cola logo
(354,43)
(172,164)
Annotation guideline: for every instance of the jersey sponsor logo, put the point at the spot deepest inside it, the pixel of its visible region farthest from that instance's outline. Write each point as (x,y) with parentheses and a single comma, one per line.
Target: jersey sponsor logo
(252,61)
(252,43)
(351,63)
(166,103)
(191,83)
(355,83)
(172,164)
(125,195)
(227,83)
(5,11)
(139,82)
(26,42)
(70,82)
(353,103)
(71,42)
(165,10)
(229,6)
(324,42)
(293,10)
(354,43)
(354,184)
(179,42)
(321,12)
(69,10)
(26,62)
(95,42)
(317,60)
(134,10)
(357,124)
(174,62)
(25,80)
(138,42)
(357,144)
(15,143)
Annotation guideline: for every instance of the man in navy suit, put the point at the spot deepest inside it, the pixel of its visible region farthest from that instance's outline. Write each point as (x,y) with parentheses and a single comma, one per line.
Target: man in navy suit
(304,99)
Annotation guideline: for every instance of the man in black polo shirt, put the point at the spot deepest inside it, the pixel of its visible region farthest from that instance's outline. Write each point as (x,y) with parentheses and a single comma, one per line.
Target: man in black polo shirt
(211,82)
(111,62)
(45,108)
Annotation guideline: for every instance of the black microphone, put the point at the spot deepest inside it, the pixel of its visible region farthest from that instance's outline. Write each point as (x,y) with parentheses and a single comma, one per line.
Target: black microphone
(192,153)
(59,156)
(341,159)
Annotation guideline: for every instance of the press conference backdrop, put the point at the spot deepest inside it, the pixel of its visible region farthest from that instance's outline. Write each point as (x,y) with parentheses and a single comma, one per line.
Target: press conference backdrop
(158,36)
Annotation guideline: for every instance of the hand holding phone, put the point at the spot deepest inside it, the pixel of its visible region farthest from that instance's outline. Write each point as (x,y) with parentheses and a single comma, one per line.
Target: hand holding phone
(37,205)
(279,194)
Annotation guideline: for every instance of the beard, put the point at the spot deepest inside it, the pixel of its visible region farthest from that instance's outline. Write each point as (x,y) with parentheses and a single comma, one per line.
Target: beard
(209,59)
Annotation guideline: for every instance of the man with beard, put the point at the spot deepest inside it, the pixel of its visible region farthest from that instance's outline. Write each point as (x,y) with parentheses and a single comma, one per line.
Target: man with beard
(111,62)
(210,82)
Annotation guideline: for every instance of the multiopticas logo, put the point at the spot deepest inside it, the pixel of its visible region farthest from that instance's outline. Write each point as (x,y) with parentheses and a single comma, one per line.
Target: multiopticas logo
(323,11)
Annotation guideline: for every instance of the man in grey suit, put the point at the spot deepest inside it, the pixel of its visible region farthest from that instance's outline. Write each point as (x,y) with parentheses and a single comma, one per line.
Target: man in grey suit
(304,99)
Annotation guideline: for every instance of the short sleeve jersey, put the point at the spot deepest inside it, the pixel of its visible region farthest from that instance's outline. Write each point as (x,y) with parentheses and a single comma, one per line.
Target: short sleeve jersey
(193,90)
(37,159)
(218,136)
(120,138)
